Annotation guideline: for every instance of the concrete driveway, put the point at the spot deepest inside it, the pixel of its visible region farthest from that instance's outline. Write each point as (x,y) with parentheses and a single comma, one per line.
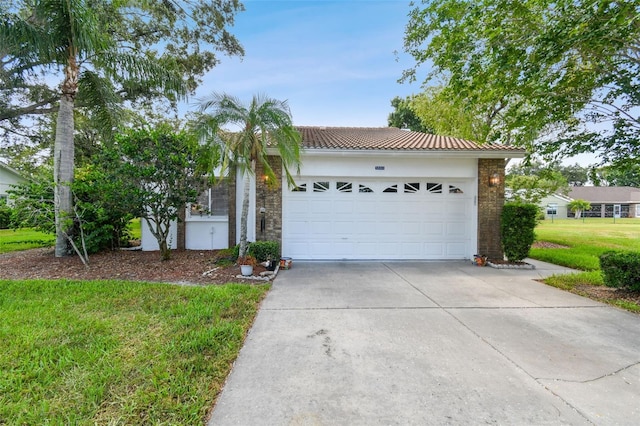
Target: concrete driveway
(400,343)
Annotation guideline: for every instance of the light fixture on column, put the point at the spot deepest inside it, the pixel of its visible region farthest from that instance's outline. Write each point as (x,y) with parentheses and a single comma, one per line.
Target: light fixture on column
(494,180)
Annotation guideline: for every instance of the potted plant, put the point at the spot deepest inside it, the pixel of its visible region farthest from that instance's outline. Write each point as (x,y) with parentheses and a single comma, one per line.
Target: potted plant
(246,264)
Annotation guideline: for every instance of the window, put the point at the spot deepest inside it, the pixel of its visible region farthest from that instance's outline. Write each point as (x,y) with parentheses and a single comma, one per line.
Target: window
(454,190)
(366,189)
(212,202)
(392,188)
(300,188)
(552,208)
(344,186)
(320,186)
(434,188)
(411,188)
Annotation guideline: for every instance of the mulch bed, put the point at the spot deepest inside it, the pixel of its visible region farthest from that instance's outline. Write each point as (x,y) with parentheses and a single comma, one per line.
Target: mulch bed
(185,267)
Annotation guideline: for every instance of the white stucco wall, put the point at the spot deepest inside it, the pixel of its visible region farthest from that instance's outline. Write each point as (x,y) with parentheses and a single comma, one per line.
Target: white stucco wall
(389,165)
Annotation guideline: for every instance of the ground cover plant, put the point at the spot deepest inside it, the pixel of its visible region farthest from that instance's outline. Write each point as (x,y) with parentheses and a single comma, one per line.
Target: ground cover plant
(578,244)
(98,352)
(23,239)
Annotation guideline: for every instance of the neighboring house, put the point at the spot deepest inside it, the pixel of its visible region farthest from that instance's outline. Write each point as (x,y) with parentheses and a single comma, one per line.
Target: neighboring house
(608,201)
(367,193)
(8,177)
(555,206)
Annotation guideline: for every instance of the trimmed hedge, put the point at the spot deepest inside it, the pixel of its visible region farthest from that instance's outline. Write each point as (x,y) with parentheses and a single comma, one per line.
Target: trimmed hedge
(517,230)
(264,250)
(621,269)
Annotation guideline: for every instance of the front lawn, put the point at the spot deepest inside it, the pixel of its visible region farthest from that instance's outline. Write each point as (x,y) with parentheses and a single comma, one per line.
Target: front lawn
(117,352)
(585,240)
(24,239)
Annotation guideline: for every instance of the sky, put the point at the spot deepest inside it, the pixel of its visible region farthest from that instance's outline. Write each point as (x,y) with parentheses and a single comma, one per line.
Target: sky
(333,61)
(336,62)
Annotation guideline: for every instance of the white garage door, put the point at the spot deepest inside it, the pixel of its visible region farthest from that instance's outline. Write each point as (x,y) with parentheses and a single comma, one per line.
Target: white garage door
(366,219)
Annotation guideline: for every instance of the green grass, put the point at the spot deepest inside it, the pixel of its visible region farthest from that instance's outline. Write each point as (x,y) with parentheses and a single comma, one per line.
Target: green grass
(27,238)
(23,239)
(586,240)
(115,352)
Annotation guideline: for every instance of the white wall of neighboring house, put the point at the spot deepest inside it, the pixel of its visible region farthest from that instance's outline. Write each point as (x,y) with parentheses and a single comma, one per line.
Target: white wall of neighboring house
(559,202)
(8,177)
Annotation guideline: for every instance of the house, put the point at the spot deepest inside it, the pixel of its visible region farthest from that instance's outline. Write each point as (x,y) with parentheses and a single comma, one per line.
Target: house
(367,193)
(555,206)
(608,201)
(8,177)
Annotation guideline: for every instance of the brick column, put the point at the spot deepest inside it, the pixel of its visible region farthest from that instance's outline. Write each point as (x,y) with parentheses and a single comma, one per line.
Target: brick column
(490,203)
(269,197)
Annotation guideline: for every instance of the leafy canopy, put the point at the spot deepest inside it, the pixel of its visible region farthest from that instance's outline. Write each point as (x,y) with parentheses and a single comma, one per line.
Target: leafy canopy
(537,71)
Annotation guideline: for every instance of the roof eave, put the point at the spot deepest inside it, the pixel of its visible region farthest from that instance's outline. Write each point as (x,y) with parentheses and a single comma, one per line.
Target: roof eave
(434,153)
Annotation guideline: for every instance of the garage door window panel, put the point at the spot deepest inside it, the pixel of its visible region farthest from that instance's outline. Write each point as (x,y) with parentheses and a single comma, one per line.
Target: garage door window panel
(363,189)
(344,186)
(434,187)
(411,188)
(320,186)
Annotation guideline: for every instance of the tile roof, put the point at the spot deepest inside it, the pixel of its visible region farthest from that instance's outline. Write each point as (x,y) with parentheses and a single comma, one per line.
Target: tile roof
(606,194)
(390,138)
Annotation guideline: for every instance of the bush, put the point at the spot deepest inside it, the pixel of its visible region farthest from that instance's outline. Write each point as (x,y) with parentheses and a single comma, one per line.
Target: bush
(517,230)
(264,250)
(621,269)
(5,215)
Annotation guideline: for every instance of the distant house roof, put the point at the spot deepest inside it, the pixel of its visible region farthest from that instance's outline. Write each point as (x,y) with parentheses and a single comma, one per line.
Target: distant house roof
(394,139)
(606,194)
(11,170)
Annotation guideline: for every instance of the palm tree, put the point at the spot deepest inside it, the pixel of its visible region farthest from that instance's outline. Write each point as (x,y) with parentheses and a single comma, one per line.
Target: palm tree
(73,36)
(578,206)
(264,123)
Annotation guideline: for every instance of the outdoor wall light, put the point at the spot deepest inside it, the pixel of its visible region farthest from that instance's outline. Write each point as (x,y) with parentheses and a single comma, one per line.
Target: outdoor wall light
(494,180)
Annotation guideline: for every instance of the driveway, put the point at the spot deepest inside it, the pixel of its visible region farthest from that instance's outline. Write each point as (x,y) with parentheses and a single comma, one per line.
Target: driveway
(400,343)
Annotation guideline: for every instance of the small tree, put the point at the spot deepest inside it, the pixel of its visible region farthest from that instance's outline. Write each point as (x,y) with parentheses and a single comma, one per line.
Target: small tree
(578,206)
(163,170)
(517,230)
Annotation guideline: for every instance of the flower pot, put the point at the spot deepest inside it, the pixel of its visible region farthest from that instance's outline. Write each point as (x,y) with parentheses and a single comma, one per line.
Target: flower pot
(246,270)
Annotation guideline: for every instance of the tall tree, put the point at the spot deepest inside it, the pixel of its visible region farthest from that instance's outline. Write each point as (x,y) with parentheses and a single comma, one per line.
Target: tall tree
(263,123)
(543,69)
(93,49)
(404,117)
(617,176)
(445,116)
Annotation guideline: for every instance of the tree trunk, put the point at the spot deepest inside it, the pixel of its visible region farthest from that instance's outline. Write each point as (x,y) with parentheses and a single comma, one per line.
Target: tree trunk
(245,210)
(63,174)
(165,251)
(63,156)
(181,235)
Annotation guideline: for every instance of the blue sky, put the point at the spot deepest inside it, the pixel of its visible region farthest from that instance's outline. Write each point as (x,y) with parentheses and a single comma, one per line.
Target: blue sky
(333,61)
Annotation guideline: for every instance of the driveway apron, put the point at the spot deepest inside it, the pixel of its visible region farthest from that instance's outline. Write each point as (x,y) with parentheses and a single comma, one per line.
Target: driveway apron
(431,343)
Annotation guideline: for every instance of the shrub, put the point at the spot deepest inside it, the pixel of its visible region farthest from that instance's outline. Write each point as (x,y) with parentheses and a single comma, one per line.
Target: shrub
(621,269)
(265,250)
(517,230)
(5,215)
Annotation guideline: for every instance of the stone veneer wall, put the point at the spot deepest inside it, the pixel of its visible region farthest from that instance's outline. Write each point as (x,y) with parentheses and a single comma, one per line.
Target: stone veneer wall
(490,203)
(271,200)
